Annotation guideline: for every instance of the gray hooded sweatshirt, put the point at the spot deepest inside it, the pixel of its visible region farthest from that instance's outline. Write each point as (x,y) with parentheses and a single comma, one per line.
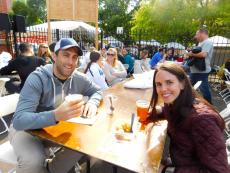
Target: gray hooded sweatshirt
(43,92)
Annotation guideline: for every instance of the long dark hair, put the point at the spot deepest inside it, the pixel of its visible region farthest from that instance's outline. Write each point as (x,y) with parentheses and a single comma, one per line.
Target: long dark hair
(183,104)
(94,57)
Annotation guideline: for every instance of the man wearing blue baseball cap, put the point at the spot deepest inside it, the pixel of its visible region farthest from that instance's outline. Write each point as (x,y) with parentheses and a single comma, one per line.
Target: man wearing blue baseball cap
(42,103)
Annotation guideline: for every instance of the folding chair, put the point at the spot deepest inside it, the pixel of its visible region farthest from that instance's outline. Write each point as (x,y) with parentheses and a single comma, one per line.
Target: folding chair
(6,151)
(8,108)
(226,92)
(197,85)
(2,85)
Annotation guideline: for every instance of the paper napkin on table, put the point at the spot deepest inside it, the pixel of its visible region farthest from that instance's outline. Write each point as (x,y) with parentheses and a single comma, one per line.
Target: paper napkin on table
(86,121)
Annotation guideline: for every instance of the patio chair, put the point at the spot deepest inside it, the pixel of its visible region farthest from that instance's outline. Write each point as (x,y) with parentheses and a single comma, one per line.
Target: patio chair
(126,66)
(225,114)
(197,85)
(7,155)
(10,103)
(226,93)
(217,82)
(6,151)
(2,85)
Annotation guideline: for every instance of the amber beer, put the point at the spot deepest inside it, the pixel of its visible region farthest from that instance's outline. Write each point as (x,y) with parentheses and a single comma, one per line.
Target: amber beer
(142,109)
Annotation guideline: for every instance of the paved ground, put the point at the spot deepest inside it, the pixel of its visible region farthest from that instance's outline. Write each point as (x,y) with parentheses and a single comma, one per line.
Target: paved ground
(101,167)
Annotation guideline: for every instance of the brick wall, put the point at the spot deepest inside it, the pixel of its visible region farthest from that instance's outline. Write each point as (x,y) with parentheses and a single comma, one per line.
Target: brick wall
(5,6)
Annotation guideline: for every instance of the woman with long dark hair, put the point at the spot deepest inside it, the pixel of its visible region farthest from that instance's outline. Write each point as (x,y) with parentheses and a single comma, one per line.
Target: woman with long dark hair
(94,70)
(195,128)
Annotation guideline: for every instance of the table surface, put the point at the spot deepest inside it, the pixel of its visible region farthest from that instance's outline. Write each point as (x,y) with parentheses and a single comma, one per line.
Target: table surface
(99,140)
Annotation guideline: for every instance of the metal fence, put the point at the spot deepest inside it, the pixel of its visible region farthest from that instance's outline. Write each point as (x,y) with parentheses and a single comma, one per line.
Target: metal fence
(135,41)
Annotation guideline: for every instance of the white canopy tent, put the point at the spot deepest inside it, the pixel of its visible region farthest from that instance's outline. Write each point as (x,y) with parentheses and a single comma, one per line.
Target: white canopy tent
(112,41)
(64,25)
(175,45)
(149,42)
(219,41)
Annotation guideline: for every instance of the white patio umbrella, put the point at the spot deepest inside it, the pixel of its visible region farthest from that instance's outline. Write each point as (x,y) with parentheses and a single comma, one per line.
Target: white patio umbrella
(220,41)
(175,45)
(149,42)
(112,41)
(63,25)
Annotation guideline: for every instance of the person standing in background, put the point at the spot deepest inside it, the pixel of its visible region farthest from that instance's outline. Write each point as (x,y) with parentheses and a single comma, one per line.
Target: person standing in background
(207,51)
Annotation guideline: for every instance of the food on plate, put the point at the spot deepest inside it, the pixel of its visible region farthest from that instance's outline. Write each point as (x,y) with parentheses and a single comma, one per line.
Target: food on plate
(124,126)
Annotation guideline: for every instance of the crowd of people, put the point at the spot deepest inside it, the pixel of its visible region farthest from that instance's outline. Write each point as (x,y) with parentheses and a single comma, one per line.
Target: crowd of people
(195,128)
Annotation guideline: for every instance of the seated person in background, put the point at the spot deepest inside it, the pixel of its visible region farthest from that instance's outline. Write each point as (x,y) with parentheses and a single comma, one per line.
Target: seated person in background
(157,57)
(114,70)
(170,55)
(42,104)
(24,64)
(195,128)
(51,48)
(120,56)
(5,57)
(94,70)
(86,59)
(128,59)
(44,53)
(144,62)
(103,53)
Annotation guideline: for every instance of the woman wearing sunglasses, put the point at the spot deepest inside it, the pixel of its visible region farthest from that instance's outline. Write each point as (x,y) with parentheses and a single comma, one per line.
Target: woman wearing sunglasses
(44,53)
(113,68)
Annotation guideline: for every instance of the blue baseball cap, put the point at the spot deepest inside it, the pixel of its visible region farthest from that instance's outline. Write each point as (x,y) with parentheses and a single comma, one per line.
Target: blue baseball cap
(66,43)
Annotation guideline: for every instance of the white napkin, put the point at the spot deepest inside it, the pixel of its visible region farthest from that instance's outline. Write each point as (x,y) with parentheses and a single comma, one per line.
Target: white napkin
(141,81)
(86,121)
(140,84)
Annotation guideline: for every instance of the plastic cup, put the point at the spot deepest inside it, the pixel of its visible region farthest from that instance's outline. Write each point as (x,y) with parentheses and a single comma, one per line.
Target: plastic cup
(142,109)
(74,98)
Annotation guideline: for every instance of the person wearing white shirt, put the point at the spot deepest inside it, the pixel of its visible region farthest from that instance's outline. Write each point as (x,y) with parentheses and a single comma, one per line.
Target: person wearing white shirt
(142,65)
(86,58)
(94,70)
(114,70)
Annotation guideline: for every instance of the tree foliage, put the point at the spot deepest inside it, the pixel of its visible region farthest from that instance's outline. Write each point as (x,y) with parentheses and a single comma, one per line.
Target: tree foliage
(113,14)
(179,19)
(34,11)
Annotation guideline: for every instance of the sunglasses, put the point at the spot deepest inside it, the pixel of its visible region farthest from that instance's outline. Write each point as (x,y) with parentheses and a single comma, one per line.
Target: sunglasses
(44,47)
(110,54)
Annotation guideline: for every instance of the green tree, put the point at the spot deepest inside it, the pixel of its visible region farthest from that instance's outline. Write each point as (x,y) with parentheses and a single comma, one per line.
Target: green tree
(177,20)
(20,8)
(113,14)
(33,10)
(37,11)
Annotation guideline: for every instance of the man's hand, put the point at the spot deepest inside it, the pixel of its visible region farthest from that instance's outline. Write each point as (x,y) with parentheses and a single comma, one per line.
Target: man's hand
(90,110)
(68,110)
